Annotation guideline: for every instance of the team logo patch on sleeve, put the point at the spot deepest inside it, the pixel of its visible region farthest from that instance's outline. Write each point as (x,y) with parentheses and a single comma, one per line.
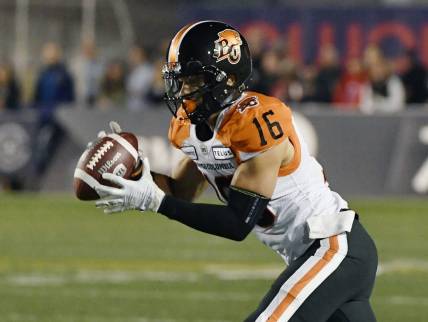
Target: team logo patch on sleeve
(190,151)
(222,153)
(247,103)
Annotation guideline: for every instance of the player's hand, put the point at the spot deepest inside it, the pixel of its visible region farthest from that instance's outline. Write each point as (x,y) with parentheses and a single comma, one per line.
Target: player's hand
(142,195)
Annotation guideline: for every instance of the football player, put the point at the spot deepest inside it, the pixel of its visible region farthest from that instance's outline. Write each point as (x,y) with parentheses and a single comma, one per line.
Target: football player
(248,148)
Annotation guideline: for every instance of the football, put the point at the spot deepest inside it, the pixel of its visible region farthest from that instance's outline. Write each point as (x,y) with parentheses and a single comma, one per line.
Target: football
(114,153)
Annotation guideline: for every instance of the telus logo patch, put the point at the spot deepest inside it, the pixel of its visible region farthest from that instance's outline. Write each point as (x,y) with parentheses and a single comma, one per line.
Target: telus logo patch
(222,153)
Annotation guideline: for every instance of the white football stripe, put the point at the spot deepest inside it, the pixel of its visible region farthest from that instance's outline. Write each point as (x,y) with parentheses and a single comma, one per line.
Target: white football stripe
(128,146)
(89,180)
(99,155)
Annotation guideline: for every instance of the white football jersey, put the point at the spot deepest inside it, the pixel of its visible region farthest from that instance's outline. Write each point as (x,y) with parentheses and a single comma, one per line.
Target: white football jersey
(302,200)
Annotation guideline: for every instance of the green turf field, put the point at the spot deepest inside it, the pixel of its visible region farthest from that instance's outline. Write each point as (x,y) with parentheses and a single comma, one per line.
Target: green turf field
(65,261)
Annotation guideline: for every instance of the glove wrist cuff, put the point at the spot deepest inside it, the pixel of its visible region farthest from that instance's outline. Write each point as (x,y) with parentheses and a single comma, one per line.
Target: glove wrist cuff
(159,196)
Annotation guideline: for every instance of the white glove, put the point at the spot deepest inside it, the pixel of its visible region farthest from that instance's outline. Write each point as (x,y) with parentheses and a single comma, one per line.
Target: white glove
(142,195)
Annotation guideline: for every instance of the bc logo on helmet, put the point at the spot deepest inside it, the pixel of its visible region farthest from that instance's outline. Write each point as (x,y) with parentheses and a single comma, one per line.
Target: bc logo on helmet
(228,45)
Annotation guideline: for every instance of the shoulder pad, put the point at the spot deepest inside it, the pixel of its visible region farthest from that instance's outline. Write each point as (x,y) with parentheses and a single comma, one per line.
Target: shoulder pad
(256,122)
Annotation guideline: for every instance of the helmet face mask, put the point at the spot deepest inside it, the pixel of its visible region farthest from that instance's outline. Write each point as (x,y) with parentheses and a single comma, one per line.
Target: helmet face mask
(205,69)
(195,89)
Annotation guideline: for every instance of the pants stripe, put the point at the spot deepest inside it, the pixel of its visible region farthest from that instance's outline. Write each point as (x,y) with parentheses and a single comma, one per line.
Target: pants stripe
(306,279)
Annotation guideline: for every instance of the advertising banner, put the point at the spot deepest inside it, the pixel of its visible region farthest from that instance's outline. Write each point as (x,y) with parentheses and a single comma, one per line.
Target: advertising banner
(16,142)
(305,30)
(362,155)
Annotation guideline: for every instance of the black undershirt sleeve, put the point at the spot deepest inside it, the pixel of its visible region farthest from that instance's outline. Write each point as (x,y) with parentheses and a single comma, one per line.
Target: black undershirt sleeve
(233,221)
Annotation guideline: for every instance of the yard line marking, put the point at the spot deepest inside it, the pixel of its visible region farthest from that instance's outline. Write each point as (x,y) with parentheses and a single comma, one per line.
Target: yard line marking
(141,294)
(126,276)
(220,272)
(94,277)
(233,274)
(402,266)
(16,316)
(132,294)
(404,300)
(36,280)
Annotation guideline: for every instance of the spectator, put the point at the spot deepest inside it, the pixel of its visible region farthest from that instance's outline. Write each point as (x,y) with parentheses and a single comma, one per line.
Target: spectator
(54,85)
(328,74)
(88,71)
(269,71)
(308,76)
(256,43)
(156,90)
(414,77)
(113,86)
(10,94)
(385,92)
(139,80)
(348,92)
(372,55)
(288,87)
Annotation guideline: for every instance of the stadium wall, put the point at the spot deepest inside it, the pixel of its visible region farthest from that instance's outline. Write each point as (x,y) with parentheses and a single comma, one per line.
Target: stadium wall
(362,155)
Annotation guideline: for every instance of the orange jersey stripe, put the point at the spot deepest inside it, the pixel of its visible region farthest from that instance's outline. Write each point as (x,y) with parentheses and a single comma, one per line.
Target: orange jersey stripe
(308,277)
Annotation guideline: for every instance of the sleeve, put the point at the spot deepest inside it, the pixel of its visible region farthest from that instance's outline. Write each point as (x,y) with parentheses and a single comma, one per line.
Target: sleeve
(233,221)
(257,129)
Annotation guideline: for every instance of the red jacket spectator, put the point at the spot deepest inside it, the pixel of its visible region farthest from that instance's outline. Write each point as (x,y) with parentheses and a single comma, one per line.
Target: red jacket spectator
(348,91)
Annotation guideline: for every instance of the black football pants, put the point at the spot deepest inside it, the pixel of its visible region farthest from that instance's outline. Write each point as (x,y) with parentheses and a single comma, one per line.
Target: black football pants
(331,282)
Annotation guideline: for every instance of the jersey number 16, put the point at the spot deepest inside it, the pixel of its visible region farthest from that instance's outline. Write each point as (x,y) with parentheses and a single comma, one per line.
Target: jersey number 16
(274,128)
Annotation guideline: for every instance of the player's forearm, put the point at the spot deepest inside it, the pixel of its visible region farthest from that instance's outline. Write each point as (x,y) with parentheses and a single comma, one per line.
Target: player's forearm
(164,182)
(234,221)
(216,220)
(183,189)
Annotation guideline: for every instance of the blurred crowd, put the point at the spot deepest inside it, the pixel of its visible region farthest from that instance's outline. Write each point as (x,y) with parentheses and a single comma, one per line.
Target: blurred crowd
(89,79)
(370,83)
